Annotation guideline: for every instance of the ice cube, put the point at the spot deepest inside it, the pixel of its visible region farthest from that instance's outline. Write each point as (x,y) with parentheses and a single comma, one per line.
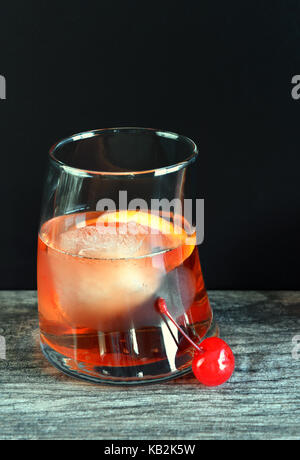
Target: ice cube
(98,242)
(102,287)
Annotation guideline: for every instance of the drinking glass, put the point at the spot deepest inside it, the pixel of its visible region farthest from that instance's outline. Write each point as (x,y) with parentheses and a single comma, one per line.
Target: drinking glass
(113,238)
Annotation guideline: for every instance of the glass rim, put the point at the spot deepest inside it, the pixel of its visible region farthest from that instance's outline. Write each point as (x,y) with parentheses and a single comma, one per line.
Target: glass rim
(153,172)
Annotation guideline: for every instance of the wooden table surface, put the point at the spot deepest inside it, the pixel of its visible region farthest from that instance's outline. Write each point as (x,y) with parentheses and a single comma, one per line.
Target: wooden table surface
(261,401)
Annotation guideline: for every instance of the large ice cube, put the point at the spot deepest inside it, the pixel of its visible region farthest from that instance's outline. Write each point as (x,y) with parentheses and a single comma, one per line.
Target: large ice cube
(101,243)
(100,279)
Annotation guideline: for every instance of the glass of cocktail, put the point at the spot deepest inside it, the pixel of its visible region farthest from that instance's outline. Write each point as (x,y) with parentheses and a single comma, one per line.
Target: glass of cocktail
(113,239)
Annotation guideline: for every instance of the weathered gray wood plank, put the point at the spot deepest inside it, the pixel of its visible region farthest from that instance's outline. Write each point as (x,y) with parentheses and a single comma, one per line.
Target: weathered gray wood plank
(262,400)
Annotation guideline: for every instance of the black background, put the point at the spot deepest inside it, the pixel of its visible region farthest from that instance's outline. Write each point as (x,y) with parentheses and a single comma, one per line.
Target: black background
(218,72)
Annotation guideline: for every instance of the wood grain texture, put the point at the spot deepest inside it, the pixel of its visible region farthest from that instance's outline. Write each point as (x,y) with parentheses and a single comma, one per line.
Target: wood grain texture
(261,401)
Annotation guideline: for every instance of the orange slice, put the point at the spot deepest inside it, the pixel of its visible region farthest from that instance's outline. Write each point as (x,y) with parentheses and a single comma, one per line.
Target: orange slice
(146,219)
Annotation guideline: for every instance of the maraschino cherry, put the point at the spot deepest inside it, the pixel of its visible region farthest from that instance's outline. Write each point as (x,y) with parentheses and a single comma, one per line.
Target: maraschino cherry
(213,362)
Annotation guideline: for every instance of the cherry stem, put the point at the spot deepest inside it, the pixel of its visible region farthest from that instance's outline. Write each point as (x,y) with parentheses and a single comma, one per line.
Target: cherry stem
(162,307)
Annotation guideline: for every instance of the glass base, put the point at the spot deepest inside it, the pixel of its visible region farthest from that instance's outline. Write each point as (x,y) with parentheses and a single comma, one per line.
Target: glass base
(154,372)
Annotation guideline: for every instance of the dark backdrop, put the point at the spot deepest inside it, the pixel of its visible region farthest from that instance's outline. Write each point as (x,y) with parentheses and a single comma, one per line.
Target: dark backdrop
(219,72)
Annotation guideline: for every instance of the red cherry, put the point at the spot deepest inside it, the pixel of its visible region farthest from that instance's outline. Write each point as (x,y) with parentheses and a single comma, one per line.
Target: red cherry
(214,365)
(213,362)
